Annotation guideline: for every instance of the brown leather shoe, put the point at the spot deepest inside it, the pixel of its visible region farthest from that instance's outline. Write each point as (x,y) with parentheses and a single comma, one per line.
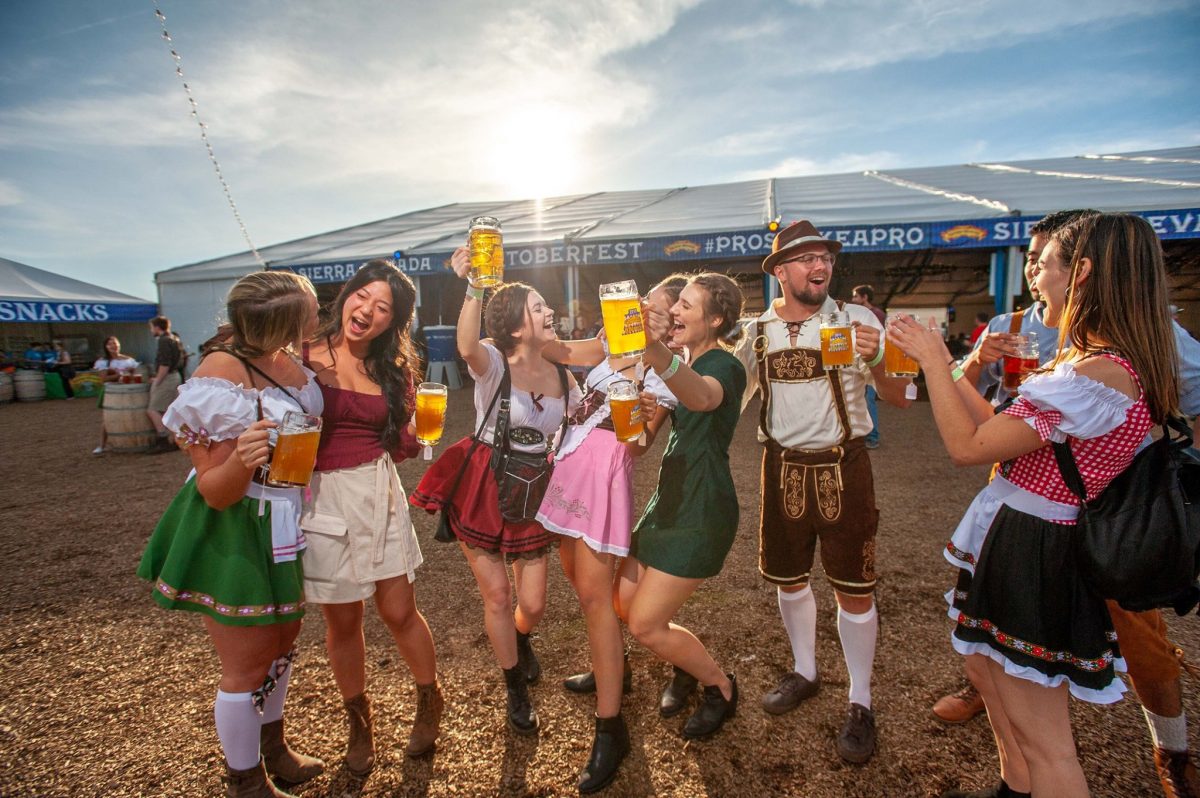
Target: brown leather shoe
(251,783)
(1177,774)
(792,690)
(428,722)
(282,763)
(959,707)
(360,748)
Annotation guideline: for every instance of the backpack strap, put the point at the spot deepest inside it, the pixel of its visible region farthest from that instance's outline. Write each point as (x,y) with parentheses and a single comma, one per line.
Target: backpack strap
(1014,321)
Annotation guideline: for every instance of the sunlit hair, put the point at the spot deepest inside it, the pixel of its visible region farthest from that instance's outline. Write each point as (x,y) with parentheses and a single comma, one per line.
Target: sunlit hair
(267,312)
(723,299)
(505,315)
(1053,222)
(1122,305)
(673,285)
(391,361)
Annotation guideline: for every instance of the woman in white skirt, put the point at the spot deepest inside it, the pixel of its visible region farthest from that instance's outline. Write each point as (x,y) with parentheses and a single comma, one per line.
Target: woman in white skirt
(361,541)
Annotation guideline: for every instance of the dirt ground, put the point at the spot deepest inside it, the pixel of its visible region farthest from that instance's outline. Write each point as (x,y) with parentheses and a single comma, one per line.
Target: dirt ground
(104,694)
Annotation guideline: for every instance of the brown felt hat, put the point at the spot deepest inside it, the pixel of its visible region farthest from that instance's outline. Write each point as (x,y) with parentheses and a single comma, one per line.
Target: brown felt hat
(792,236)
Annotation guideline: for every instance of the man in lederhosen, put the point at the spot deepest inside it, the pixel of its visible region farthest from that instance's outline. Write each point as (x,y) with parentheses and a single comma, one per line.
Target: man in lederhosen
(816,474)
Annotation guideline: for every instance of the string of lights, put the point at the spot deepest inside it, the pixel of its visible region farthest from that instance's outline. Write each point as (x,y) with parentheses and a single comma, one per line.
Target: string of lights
(212,156)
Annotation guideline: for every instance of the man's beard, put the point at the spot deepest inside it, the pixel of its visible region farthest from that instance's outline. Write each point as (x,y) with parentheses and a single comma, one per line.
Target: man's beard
(809,295)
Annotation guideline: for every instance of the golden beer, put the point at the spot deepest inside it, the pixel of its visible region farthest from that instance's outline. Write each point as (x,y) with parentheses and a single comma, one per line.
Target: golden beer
(431,412)
(621,309)
(486,245)
(295,451)
(625,408)
(895,362)
(837,340)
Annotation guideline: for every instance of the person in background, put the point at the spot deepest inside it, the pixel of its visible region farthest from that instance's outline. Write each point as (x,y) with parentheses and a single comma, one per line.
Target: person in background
(165,382)
(361,541)
(864,295)
(61,365)
(229,546)
(111,365)
(981,321)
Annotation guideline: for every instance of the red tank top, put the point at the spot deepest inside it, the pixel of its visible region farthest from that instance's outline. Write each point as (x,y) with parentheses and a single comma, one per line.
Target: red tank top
(351,426)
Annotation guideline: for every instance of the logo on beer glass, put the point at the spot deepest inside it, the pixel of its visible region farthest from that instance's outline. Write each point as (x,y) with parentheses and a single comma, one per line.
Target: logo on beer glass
(837,340)
(486,245)
(295,451)
(621,309)
(430,415)
(625,409)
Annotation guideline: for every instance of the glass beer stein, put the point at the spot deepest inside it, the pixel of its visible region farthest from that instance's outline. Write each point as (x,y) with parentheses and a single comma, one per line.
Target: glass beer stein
(486,245)
(895,362)
(837,340)
(295,451)
(625,409)
(430,415)
(1019,365)
(621,309)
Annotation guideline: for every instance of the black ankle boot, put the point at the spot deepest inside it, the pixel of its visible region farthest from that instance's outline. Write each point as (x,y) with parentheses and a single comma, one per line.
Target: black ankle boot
(527,661)
(586,682)
(713,711)
(522,717)
(675,696)
(609,747)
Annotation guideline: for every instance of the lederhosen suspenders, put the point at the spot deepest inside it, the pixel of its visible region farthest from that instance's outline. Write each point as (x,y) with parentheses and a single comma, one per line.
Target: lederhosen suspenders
(792,365)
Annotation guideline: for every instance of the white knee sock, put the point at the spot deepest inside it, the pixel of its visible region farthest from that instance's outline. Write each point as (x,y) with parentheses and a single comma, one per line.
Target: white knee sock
(1170,734)
(858,633)
(238,727)
(272,709)
(799,611)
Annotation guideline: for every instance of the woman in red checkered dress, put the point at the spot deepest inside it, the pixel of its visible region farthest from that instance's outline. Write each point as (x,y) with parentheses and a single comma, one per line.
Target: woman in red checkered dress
(1024,617)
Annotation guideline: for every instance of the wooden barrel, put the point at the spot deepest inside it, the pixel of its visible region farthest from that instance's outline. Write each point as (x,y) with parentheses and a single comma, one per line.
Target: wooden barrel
(30,386)
(6,386)
(129,428)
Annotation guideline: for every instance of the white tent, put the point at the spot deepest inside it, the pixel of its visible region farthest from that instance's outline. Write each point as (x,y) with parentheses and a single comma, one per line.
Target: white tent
(979,206)
(37,305)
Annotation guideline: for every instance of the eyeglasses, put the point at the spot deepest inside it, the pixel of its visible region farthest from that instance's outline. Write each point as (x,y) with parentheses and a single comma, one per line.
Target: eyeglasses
(811,259)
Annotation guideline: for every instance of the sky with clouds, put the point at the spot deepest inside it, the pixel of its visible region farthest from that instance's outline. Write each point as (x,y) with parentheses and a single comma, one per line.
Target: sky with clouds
(325,115)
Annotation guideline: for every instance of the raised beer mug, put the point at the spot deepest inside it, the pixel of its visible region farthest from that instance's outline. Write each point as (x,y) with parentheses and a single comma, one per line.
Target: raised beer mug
(895,362)
(430,415)
(1021,363)
(625,409)
(486,245)
(837,340)
(621,309)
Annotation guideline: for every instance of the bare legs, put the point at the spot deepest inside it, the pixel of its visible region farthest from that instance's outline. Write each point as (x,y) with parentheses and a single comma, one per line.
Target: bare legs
(591,574)
(498,618)
(247,651)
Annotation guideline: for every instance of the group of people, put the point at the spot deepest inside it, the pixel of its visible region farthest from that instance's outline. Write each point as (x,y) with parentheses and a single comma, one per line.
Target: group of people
(229,546)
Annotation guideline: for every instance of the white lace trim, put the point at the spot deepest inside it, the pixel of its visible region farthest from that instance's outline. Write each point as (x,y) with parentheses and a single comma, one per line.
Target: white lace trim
(1111,694)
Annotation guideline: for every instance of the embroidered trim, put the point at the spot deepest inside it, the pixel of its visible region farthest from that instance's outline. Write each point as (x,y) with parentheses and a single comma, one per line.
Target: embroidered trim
(959,554)
(188,437)
(1100,663)
(229,611)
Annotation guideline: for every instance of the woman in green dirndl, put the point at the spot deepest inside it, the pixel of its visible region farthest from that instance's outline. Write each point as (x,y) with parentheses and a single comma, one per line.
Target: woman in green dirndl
(228,546)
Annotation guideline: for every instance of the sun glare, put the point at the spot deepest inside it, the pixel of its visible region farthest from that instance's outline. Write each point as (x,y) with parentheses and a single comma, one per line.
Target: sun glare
(536,153)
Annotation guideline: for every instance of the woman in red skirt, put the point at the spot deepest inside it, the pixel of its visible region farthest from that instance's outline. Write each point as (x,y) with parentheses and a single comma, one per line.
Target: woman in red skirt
(519,324)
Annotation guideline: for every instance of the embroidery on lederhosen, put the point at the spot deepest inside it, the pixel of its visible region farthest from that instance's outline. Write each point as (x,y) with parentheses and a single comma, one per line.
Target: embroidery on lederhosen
(792,486)
(868,560)
(828,479)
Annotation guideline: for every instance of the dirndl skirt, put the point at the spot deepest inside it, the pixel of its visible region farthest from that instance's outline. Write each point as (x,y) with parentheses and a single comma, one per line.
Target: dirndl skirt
(474,510)
(1026,607)
(590,495)
(220,562)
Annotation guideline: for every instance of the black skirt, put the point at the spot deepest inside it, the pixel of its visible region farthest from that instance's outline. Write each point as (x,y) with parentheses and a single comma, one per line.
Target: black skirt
(1028,603)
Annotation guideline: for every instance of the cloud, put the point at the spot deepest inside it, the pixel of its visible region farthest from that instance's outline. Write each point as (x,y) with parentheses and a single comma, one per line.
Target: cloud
(10,194)
(796,166)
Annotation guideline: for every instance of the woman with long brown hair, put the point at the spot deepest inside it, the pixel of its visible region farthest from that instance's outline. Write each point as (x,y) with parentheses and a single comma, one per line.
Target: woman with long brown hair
(361,541)
(1020,605)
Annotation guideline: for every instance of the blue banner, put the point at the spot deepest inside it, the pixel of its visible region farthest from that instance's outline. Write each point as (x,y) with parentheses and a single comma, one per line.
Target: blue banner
(60,312)
(1005,231)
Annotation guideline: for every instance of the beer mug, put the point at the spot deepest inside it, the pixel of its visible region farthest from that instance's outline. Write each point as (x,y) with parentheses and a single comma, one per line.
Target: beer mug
(431,415)
(621,308)
(837,340)
(295,450)
(1021,363)
(895,362)
(486,245)
(625,408)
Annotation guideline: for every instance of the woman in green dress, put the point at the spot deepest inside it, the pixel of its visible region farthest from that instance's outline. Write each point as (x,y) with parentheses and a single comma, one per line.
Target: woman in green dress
(228,546)
(689,525)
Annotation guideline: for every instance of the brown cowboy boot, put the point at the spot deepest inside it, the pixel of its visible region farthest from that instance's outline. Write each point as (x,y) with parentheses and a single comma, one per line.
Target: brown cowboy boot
(282,763)
(1177,774)
(252,783)
(360,748)
(427,724)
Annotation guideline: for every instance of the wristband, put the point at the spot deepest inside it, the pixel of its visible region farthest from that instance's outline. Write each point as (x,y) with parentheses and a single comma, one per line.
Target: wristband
(875,361)
(671,369)
(956,373)
(474,292)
